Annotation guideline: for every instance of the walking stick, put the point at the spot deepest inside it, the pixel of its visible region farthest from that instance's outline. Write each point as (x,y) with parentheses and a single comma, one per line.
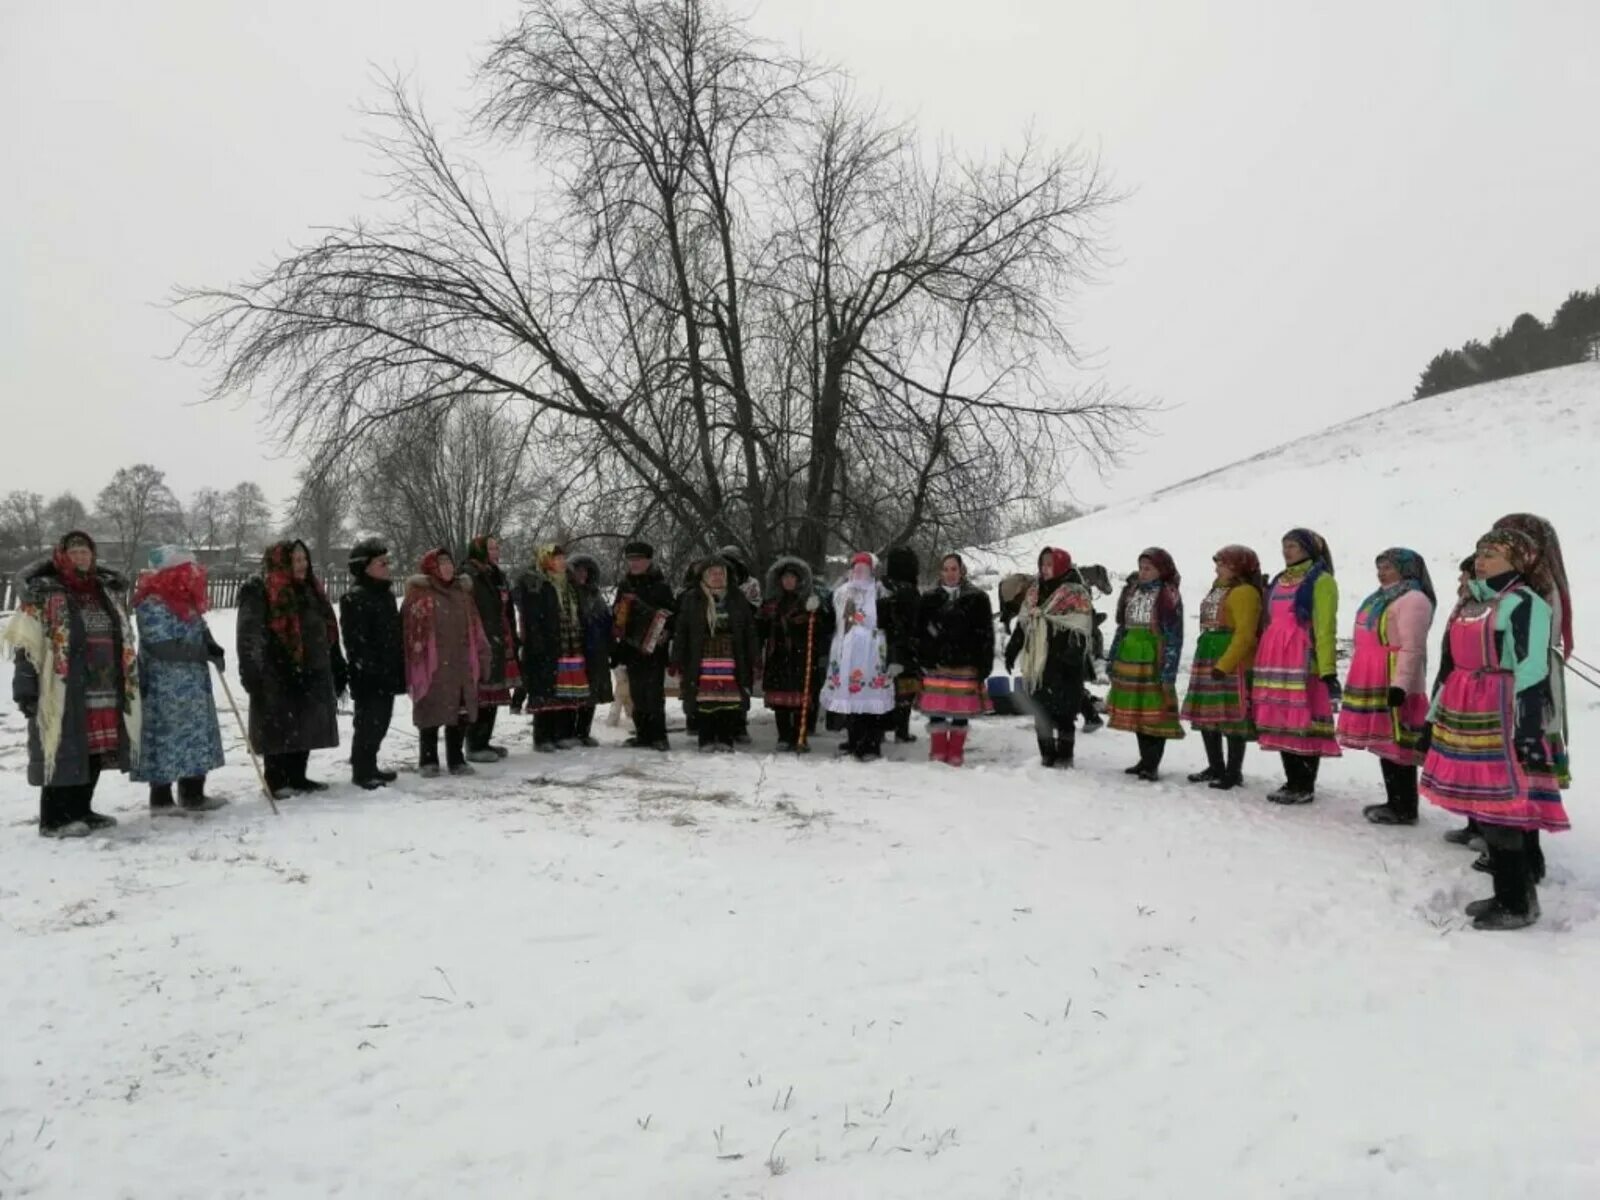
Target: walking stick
(244,733)
(805,695)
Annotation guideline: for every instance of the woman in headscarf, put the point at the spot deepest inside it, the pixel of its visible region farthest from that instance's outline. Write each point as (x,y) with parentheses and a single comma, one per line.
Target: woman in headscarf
(955,645)
(291,666)
(179,739)
(794,631)
(714,647)
(1218,700)
(1296,674)
(1490,757)
(861,665)
(1385,693)
(1469,834)
(554,663)
(594,614)
(76,679)
(1547,575)
(502,673)
(1143,660)
(1052,638)
(446,655)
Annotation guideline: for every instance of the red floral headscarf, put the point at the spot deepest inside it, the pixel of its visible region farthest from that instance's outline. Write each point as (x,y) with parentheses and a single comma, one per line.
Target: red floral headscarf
(74,579)
(283,608)
(181,588)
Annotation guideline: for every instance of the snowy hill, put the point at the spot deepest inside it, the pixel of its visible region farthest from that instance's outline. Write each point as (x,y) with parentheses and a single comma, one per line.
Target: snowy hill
(606,974)
(1430,474)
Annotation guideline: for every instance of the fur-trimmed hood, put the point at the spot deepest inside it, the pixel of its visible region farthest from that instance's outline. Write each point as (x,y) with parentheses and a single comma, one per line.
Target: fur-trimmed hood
(421,582)
(596,577)
(799,566)
(40,577)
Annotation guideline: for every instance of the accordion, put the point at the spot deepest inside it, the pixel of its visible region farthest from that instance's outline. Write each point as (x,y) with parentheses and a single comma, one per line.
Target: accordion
(637,624)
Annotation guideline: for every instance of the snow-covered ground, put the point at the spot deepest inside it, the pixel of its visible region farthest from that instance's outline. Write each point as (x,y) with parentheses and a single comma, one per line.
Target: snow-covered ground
(608,974)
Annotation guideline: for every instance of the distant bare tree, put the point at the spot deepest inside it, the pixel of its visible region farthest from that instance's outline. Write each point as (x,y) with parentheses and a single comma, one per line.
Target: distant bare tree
(320,511)
(442,475)
(22,520)
(207,516)
(141,509)
(246,518)
(769,315)
(65,512)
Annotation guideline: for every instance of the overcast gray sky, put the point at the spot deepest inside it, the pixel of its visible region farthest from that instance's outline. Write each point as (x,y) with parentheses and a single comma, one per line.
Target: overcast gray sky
(1323,194)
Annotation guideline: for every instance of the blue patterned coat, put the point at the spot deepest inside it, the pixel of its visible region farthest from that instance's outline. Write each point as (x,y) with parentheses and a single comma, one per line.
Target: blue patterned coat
(180,738)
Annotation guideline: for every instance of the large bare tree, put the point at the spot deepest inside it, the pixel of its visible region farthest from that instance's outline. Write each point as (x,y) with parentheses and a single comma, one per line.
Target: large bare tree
(141,508)
(442,475)
(247,518)
(752,304)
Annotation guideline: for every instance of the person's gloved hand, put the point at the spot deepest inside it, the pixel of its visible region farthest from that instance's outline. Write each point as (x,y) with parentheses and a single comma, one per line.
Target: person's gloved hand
(1425,738)
(1397,697)
(895,670)
(812,604)
(28,708)
(1335,692)
(1218,673)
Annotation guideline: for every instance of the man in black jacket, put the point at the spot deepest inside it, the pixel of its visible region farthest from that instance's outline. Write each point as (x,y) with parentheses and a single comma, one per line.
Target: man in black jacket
(374,647)
(642,620)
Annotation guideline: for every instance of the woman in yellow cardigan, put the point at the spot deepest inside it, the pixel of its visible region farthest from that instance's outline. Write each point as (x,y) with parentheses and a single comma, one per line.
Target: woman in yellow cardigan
(1218,702)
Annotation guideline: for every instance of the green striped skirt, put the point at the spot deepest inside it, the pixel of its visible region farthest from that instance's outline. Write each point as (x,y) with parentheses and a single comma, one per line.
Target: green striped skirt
(1139,702)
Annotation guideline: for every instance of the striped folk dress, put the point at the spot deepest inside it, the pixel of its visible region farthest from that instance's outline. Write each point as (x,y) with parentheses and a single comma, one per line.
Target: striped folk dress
(1140,700)
(1389,653)
(1293,708)
(1472,766)
(1222,705)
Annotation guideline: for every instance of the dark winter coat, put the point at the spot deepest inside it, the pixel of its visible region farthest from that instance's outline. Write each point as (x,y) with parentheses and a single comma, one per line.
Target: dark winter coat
(292,708)
(689,640)
(49,617)
(956,631)
(784,624)
(539,619)
(369,620)
(595,615)
(498,615)
(1067,661)
(900,577)
(653,590)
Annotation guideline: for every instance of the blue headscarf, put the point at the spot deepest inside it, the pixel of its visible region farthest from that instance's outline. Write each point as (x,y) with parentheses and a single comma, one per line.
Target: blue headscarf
(1413,578)
(1316,548)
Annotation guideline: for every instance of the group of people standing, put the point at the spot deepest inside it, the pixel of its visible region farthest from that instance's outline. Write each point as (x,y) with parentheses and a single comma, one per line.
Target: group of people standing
(109,679)
(1487,739)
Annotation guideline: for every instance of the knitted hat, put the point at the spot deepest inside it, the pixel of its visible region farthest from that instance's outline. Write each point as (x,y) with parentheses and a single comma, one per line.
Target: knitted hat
(638,550)
(362,554)
(76,537)
(863,559)
(163,557)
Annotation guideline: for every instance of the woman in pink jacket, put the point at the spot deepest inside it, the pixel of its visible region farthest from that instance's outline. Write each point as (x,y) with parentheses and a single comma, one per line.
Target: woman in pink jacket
(1386,694)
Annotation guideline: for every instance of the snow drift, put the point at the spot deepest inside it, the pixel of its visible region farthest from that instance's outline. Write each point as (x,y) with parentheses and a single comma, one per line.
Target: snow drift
(613,975)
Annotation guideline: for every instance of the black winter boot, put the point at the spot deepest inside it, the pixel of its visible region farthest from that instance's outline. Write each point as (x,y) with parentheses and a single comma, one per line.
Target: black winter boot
(161,800)
(1214,764)
(1233,772)
(192,795)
